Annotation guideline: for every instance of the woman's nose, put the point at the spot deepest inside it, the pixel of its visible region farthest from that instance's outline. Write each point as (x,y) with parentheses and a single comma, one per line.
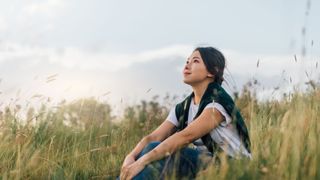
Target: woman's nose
(187,65)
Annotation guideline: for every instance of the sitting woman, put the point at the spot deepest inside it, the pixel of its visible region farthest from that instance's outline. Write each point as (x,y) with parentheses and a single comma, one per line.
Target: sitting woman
(207,119)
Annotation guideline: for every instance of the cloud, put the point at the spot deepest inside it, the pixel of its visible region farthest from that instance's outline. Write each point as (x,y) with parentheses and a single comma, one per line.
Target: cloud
(85,73)
(249,65)
(73,57)
(89,60)
(3,24)
(130,75)
(267,66)
(45,7)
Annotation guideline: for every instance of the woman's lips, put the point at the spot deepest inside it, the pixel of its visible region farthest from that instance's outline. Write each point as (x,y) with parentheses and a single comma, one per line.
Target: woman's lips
(186,73)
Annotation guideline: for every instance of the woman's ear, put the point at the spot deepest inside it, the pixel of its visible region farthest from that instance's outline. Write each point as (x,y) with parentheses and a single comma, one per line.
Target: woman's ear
(209,75)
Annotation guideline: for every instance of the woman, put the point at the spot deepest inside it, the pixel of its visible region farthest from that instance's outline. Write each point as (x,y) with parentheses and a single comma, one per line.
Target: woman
(207,119)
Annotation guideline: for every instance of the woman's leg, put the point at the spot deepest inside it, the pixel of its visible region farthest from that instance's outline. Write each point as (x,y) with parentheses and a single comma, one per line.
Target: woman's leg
(187,162)
(151,171)
(148,148)
(184,163)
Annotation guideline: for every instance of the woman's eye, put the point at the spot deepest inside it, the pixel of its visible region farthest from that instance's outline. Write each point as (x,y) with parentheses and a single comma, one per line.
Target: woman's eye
(196,61)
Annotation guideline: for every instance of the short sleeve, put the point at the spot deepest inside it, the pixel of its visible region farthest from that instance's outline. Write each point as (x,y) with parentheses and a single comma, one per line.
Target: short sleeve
(172,117)
(221,109)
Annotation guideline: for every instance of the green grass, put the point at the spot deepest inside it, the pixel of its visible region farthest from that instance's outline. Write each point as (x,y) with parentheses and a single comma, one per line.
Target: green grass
(284,135)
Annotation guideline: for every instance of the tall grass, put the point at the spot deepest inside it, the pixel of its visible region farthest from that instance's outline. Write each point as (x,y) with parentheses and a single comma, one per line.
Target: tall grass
(62,144)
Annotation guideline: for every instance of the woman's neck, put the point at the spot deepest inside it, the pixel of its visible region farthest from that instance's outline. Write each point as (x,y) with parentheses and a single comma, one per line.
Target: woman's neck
(198,91)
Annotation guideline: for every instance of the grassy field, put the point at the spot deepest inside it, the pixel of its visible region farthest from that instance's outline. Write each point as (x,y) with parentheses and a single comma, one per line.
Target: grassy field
(79,140)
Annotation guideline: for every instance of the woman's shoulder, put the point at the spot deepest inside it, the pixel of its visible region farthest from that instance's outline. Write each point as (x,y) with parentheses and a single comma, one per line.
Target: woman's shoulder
(227,118)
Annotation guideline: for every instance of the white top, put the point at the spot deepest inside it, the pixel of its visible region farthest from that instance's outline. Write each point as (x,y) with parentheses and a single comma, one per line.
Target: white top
(225,135)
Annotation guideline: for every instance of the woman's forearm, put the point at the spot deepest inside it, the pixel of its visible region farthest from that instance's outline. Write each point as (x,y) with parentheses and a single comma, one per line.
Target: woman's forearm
(139,147)
(166,148)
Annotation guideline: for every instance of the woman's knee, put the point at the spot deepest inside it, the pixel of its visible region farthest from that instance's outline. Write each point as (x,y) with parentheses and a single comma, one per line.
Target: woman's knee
(151,145)
(148,148)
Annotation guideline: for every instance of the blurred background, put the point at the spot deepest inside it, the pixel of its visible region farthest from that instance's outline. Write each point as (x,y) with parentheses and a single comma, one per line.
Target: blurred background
(121,52)
(82,82)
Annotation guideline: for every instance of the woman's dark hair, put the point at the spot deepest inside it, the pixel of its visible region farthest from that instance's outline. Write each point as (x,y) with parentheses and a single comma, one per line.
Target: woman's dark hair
(214,62)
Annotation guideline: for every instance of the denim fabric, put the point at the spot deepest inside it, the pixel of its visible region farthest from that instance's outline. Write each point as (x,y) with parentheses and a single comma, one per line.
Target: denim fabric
(185,163)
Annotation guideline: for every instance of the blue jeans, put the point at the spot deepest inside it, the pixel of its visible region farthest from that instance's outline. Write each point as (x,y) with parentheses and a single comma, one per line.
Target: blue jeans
(184,163)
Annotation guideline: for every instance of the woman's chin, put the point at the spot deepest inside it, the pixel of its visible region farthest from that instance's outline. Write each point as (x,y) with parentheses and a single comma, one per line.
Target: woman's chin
(186,81)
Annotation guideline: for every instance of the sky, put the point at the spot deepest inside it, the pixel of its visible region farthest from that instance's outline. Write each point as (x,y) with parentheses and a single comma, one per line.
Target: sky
(123,51)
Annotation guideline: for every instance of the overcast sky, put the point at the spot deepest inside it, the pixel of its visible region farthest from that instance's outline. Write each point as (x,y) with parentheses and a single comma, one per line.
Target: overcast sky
(123,51)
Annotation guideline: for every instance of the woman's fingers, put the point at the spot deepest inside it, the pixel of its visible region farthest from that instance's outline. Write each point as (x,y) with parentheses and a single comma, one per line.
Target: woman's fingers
(123,174)
(124,170)
(126,173)
(123,177)
(128,161)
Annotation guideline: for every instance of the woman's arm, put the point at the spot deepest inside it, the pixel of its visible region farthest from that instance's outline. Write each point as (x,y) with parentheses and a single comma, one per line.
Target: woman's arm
(162,132)
(209,119)
(159,134)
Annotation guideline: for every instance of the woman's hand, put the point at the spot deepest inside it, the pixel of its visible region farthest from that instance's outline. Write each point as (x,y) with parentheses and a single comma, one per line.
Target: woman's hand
(127,161)
(128,172)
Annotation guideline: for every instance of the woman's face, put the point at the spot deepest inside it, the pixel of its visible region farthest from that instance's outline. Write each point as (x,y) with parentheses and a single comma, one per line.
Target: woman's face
(195,71)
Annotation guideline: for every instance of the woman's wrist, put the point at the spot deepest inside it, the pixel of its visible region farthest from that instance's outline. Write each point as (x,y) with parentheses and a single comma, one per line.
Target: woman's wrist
(142,143)
(131,155)
(148,158)
(144,159)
